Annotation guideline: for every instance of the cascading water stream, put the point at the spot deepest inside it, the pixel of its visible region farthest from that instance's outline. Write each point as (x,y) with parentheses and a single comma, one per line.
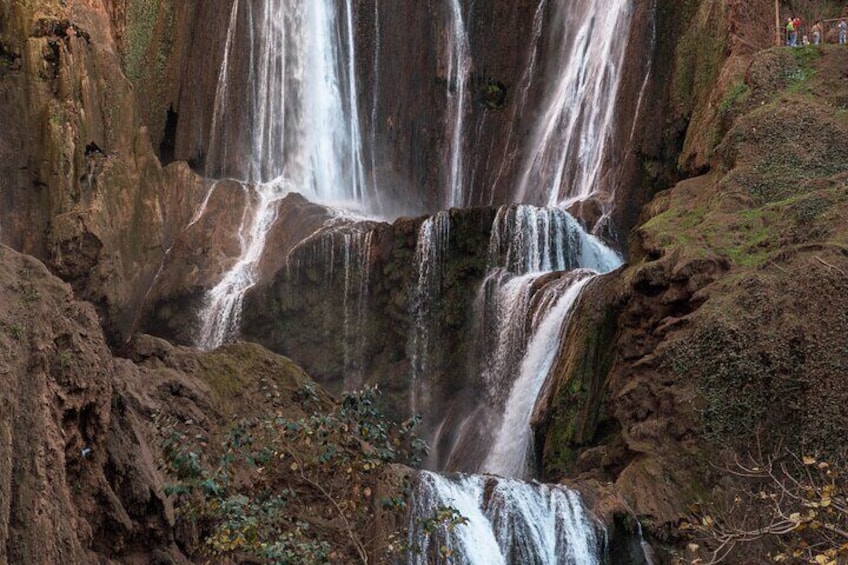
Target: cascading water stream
(221,311)
(375,98)
(357,278)
(510,521)
(509,455)
(527,246)
(569,144)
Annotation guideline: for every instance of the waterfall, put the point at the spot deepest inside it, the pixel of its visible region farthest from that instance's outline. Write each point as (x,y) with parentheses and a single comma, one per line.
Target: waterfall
(540,260)
(509,455)
(530,250)
(297,116)
(286,118)
(506,521)
(294,126)
(221,311)
(519,106)
(569,143)
(357,180)
(529,239)
(375,98)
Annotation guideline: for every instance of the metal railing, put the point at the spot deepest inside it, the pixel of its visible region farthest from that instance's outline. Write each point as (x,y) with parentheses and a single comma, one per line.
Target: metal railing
(828,32)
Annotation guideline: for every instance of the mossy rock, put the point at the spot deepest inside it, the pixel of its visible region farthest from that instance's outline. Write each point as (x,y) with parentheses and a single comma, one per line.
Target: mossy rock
(236,373)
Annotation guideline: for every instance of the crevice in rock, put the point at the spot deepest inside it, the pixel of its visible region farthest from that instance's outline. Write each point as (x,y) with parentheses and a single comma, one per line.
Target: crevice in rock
(167,148)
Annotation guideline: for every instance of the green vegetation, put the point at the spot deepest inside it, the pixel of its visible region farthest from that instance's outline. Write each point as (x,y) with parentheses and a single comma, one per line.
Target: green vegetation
(17,332)
(65,358)
(29,294)
(740,388)
(142,18)
(146,50)
(438,527)
(700,56)
(806,57)
(304,490)
(576,411)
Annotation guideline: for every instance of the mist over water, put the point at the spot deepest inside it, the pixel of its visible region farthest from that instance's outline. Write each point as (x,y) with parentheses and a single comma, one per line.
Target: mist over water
(287,119)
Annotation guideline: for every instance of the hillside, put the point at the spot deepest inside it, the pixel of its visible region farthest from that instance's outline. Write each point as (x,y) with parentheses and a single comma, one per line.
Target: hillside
(725,338)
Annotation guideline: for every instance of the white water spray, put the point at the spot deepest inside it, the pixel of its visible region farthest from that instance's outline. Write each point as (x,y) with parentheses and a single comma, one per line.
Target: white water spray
(507,522)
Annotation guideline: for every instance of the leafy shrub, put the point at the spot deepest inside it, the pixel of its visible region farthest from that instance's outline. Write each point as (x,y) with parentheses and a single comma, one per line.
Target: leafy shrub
(293,490)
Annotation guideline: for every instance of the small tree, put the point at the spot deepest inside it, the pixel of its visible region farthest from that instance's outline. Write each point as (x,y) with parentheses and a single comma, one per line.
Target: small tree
(283,489)
(796,502)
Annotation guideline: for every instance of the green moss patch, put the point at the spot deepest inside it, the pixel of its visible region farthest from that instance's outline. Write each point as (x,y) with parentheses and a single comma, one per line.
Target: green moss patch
(235,372)
(782,162)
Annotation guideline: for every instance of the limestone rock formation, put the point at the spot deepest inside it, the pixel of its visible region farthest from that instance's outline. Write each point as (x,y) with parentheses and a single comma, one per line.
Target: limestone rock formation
(80,477)
(81,183)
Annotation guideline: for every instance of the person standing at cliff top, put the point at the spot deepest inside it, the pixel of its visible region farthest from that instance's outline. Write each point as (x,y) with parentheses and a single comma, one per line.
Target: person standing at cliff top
(797,23)
(843,31)
(790,33)
(817,33)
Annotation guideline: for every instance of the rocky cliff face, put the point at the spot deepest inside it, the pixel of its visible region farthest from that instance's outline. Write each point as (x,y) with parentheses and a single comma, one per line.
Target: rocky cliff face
(83,434)
(79,474)
(139,81)
(82,187)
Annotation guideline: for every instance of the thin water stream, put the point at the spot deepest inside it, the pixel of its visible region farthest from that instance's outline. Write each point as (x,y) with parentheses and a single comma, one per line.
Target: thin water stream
(459,72)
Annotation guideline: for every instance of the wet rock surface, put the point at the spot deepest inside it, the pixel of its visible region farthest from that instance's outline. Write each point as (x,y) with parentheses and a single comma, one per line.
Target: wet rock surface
(343,306)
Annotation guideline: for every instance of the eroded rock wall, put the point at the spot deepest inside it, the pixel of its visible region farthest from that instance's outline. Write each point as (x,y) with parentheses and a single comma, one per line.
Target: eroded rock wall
(82,186)
(79,480)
